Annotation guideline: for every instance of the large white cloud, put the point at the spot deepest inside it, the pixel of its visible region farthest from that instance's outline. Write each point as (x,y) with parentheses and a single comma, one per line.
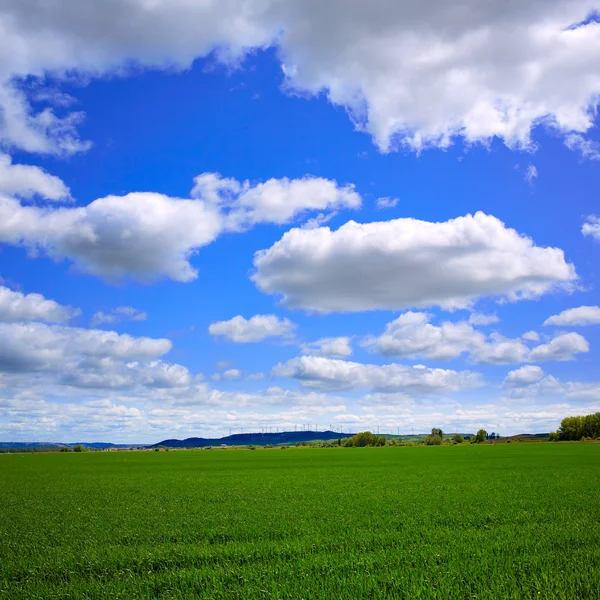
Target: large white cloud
(147,236)
(16,306)
(108,373)
(413,335)
(334,374)
(27,181)
(256,329)
(412,72)
(582,315)
(36,346)
(408,263)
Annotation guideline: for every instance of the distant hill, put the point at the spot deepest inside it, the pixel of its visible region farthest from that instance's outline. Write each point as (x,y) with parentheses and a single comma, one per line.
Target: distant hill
(58,445)
(255,439)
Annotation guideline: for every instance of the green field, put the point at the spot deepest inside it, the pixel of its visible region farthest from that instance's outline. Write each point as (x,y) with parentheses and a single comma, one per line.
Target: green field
(506,521)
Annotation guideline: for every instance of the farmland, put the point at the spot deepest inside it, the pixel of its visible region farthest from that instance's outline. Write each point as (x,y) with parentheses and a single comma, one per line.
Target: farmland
(504,521)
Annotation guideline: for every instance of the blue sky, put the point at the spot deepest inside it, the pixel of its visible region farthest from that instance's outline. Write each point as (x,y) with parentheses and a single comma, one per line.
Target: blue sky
(257,224)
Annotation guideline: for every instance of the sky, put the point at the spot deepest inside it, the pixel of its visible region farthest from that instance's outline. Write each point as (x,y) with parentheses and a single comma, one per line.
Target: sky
(254,215)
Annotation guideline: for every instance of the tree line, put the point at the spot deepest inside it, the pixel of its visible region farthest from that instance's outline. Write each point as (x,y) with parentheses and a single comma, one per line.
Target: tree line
(578,428)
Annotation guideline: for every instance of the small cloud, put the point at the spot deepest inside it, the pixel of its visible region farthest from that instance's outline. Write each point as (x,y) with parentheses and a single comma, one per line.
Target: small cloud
(531,173)
(386,202)
(592,227)
(532,336)
(224,364)
(232,374)
(481,319)
(319,220)
(588,149)
(256,376)
(121,313)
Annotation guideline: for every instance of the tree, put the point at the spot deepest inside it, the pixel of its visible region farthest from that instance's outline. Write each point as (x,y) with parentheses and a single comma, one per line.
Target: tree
(436,431)
(479,437)
(433,439)
(554,436)
(78,448)
(65,449)
(364,438)
(458,439)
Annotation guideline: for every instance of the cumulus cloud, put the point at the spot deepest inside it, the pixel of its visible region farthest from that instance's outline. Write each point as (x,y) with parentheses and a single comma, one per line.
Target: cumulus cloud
(531,336)
(121,313)
(107,373)
(524,376)
(408,263)
(147,236)
(410,73)
(256,329)
(38,347)
(16,307)
(228,375)
(413,335)
(562,347)
(329,346)
(334,374)
(274,201)
(591,227)
(27,181)
(583,315)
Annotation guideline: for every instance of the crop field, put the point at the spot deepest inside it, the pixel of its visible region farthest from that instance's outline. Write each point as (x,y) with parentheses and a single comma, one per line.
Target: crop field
(502,522)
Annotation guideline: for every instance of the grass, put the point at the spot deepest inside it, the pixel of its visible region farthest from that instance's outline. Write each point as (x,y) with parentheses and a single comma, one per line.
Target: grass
(504,522)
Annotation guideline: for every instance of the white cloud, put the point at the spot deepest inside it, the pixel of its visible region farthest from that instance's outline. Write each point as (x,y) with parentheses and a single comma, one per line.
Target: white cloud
(410,73)
(583,392)
(274,201)
(562,347)
(121,313)
(588,149)
(36,346)
(27,181)
(256,376)
(386,202)
(408,263)
(592,227)
(107,373)
(412,335)
(256,329)
(583,315)
(501,351)
(531,336)
(232,374)
(146,236)
(531,173)
(334,374)
(524,376)
(329,346)
(476,318)
(16,306)
(224,364)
